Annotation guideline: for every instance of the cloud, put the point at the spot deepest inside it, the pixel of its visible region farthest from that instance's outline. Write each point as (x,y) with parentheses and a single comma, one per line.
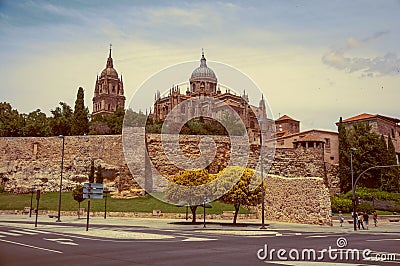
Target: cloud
(389,64)
(197,16)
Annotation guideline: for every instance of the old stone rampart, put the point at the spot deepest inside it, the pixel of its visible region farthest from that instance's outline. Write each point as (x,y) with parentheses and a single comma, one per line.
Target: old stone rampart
(36,162)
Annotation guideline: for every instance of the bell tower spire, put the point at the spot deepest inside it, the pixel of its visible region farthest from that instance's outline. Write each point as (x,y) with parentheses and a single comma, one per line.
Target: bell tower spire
(110,60)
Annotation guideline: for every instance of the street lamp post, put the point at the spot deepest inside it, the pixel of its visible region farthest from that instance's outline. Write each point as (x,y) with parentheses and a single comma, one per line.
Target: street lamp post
(359,176)
(353,198)
(204,213)
(61,176)
(260,121)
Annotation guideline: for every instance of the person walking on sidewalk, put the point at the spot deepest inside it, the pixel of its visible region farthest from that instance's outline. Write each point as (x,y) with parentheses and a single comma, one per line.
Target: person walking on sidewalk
(360,221)
(375,216)
(341,219)
(365,219)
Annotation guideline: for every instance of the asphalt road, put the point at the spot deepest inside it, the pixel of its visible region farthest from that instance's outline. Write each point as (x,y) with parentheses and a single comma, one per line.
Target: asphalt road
(145,246)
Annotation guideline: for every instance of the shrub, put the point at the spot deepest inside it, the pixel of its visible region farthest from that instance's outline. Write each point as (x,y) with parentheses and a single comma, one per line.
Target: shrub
(365,207)
(340,204)
(2,188)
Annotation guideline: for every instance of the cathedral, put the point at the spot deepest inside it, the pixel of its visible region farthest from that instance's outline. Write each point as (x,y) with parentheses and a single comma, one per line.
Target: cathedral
(108,91)
(203,84)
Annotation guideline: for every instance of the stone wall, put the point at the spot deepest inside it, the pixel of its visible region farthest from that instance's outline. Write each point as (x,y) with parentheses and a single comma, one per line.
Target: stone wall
(29,161)
(36,161)
(297,200)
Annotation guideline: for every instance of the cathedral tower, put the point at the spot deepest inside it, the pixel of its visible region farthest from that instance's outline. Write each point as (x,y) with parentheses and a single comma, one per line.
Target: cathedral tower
(108,91)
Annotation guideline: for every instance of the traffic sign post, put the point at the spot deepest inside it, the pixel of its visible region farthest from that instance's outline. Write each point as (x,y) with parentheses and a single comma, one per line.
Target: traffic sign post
(91,191)
(88,211)
(37,205)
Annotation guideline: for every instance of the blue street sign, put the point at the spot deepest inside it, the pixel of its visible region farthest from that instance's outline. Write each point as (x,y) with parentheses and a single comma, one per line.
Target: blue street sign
(93,185)
(94,190)
(93,196)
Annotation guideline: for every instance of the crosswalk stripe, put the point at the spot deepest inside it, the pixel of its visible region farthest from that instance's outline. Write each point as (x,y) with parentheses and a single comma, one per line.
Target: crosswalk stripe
(23,232)
(10,234)
(36,231)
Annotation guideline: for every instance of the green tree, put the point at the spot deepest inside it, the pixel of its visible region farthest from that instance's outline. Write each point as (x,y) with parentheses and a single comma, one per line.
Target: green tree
(91,172)
(11,122)
(99,174)
(392,177)
(344,158)
(62,119)
(369,153)
(77,194)
(80,125)
(36,124)
(242,193)
(233,124)
(115,120)
(134,119)
(186,187)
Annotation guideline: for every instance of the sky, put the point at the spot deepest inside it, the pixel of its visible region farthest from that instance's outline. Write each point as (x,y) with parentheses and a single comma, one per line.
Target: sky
(313,60)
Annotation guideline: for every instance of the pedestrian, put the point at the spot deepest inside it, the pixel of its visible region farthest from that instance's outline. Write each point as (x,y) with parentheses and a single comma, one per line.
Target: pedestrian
(365,219)
(360,221)
(375,216)
(356,216)
(341,219)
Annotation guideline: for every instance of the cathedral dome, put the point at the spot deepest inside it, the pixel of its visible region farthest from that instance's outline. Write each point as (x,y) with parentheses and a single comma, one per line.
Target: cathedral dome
(203,71)
(109,72)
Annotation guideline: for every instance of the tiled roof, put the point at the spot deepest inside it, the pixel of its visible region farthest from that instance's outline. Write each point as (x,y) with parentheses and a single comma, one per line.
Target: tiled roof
(308,132)
(359,117)
(285,117)
(369,116)
(310,137)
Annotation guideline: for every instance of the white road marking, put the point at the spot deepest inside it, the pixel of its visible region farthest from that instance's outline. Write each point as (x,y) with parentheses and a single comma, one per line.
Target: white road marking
(62,241)
(30,246)
(198,239)
(9,233)
(23,232)
(317,236)
(387,239)
(35,231)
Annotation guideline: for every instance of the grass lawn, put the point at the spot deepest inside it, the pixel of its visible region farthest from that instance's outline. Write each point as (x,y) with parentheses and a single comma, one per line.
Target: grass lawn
(49,201)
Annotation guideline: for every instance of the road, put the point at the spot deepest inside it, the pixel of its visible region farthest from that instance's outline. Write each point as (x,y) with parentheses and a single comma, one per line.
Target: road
(21,244)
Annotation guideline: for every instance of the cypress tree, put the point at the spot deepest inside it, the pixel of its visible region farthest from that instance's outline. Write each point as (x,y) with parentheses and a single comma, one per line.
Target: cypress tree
(344,158)
(91,173)
(80,124)
(393,173)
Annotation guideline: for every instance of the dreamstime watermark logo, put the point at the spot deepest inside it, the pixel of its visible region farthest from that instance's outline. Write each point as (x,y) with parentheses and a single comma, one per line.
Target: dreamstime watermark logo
(154,158)
(340,252)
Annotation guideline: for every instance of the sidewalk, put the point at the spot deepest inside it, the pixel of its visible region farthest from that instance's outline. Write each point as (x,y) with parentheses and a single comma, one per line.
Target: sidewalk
(150,228)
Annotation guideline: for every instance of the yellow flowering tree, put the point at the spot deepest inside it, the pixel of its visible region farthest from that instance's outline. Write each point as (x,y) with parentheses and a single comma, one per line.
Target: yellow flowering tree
(246,191)
(186,186)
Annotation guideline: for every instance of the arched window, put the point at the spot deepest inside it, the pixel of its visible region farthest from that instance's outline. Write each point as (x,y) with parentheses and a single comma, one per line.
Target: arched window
(194,87)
